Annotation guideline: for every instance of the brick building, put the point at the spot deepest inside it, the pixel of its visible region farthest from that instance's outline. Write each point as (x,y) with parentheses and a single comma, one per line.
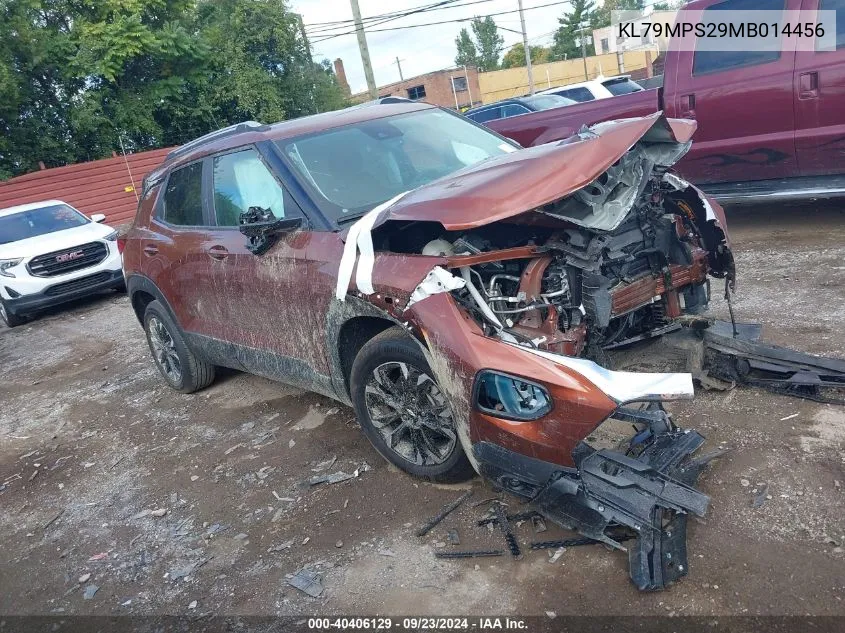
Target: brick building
(436,88)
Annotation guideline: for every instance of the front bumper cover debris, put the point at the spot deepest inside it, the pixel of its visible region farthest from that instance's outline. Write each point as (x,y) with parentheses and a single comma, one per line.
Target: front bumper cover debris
(650,495)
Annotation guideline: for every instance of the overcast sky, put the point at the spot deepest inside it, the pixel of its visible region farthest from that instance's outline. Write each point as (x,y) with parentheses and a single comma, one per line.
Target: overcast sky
(422,49)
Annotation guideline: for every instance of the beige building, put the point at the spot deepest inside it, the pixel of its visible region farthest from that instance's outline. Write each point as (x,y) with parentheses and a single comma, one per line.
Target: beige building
(606,40)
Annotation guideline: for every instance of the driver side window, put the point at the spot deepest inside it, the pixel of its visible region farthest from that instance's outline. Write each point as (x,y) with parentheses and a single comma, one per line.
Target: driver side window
(242,180)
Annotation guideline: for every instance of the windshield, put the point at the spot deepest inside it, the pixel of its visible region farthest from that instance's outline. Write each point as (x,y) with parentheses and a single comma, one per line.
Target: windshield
(35,222)
(621,86)
(354,168)
(547,102)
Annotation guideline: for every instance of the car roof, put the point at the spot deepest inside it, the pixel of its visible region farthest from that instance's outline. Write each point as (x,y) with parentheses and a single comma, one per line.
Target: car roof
(30,206)
(251,132)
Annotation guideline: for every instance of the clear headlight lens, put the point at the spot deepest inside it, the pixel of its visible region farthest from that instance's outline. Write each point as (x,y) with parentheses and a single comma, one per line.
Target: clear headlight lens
(111,237)
(6,264)
(511,397)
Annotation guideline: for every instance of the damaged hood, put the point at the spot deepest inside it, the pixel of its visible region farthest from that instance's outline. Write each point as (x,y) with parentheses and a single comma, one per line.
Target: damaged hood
(515,183)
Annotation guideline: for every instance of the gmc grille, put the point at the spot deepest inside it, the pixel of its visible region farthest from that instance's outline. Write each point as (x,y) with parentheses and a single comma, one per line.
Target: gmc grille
(68,260)
(76,284)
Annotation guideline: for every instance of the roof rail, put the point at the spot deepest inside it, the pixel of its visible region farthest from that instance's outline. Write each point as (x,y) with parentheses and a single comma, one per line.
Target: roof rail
(237,128)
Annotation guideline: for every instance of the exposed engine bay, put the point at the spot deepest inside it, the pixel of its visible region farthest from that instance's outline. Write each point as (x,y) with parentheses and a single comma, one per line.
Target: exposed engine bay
(614,262)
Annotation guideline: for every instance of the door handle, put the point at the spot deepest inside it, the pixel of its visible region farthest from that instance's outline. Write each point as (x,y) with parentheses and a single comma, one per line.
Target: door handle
(688,106)
(218,252)
(151,249)
(808,85)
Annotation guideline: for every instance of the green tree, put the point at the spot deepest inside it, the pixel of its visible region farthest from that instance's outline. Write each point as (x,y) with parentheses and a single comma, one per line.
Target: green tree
(515,57)
(669,6)
(467,53)
(488,42)
(567,37)
(77,78)
(601,17)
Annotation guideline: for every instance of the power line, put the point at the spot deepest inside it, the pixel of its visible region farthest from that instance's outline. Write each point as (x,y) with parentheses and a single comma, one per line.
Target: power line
(413,26)
(374,20)
(380,15)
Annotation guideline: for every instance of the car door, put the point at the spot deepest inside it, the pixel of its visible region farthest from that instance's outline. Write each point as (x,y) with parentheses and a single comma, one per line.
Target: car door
(742,101)
(819,93)
(261,303)
(174,246)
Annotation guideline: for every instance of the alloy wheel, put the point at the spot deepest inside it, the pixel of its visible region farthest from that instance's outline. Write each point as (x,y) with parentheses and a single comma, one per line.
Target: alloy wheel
(164,350)
(411,413)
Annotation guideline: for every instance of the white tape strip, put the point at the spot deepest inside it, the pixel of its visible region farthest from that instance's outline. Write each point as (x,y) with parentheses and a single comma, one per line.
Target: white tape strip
(360,238)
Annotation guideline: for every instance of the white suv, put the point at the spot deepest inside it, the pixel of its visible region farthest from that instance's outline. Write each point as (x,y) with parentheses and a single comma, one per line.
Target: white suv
(51,253)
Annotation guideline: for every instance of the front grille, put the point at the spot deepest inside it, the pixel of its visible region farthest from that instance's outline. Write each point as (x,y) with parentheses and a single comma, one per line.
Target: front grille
(77,284)
(67,260)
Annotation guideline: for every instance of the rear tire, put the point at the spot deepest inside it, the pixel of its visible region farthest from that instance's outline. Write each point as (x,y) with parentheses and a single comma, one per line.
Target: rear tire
(178,365)
(9,318)
(403,412)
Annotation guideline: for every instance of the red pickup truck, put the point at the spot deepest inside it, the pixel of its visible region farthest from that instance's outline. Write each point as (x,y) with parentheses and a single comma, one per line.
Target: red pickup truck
(771,125)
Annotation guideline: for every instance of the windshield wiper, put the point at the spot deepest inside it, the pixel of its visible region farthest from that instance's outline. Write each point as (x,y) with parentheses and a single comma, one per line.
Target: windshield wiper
(346,218)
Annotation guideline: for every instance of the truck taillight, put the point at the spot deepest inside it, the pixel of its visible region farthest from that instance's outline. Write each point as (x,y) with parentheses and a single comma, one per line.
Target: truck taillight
(121,244)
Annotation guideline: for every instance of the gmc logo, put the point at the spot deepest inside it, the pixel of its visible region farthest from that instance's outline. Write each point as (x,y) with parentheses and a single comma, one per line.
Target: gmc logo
(66,257)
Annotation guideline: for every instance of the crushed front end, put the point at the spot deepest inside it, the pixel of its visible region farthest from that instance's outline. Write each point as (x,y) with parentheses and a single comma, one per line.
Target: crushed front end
(518,310)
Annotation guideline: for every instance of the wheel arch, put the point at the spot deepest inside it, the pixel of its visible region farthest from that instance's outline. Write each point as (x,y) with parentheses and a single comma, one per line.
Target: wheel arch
(142,291)
(350,324)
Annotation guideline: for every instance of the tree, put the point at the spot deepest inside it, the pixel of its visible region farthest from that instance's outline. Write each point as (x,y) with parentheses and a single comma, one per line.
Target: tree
(467,53)
(602,16)
(567,37)
(483,49)
(488,41)
(515,57)
(669,6)
(78,78)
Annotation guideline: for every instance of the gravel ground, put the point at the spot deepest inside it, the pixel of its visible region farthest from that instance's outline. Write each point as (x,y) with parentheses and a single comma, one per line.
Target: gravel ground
(94,447)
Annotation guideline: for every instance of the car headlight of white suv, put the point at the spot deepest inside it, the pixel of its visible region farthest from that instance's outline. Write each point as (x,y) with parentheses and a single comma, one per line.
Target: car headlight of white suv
(6,264)
(111,237)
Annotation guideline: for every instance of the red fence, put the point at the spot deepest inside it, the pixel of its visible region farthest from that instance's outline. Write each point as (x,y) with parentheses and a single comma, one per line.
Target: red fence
(100,186)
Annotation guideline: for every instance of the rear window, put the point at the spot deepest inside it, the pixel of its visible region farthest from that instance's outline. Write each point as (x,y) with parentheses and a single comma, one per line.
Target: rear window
(714,61)
(621,86)
(547,102)
(26,224)
(577,94)
(183,196)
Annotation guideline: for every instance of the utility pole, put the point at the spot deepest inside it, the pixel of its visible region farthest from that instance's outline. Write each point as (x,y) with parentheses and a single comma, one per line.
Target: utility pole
(583,39)
(527,50)
(365,53)
(399,66)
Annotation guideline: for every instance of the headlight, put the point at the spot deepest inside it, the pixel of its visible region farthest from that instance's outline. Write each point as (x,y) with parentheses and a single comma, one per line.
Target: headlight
(510,397)
(111,237)
(6,264)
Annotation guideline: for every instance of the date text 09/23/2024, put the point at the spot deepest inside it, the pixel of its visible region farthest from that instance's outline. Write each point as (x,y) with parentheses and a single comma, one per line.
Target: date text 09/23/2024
(418,623)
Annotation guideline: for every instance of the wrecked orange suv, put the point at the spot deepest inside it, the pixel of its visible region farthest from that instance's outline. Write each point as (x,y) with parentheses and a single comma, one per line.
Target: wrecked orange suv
(456,290)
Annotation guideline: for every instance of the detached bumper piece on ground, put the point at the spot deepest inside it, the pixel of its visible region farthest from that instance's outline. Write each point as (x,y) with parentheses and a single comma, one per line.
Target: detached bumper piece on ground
(734,353)
(644,494)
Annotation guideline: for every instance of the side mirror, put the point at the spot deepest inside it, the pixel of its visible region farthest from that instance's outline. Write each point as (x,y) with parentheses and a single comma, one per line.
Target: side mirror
(98,217)
(262,229)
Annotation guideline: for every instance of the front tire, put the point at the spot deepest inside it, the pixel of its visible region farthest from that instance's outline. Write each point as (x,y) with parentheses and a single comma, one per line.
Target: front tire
(9,318)
(403,412)
(178,365)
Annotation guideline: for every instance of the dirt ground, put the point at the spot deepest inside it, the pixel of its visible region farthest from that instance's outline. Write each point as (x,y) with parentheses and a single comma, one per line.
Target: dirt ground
(93,445)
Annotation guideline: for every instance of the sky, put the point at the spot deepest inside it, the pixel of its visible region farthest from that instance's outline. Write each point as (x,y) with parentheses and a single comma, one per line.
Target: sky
(420,50)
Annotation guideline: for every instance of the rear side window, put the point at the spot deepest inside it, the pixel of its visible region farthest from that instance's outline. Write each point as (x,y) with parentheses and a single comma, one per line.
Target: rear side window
(241,181)
(621,86)
(183,196)
(490,114)
(706,62)
(514,109)
(577,94)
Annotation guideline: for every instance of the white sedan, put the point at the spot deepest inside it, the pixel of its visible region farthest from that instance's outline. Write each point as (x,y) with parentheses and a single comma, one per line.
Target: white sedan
(51,253)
